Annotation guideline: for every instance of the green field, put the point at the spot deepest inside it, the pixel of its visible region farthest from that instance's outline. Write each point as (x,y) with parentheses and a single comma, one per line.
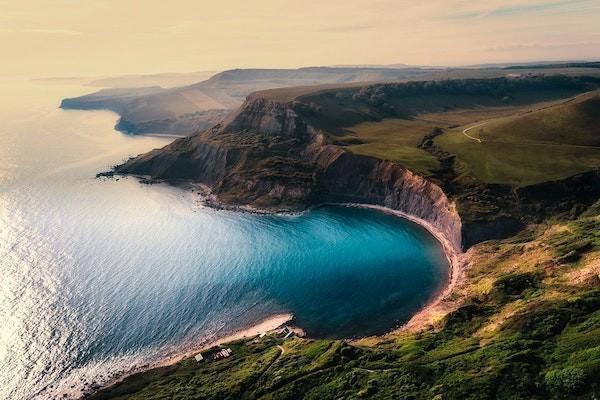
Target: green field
(549,144)
(394,140)
(518,164)
(574,122)
(517,145)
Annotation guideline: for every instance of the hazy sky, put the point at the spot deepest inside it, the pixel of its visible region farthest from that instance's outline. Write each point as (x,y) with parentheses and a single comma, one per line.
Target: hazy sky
(93,37)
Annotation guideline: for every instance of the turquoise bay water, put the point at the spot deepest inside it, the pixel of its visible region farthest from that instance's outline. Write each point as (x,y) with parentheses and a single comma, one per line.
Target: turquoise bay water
(100,275)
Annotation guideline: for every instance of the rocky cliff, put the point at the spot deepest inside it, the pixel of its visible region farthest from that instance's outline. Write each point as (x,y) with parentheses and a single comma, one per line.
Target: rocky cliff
(266,155)
(348,178)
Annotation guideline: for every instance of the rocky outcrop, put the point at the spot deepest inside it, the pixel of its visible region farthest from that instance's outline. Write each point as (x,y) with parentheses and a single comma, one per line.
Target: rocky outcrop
(270,118)
(183,159)
(267,155)
(348,178)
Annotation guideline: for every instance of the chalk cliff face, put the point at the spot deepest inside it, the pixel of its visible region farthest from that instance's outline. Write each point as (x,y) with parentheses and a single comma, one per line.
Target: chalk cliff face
(266,155)
(345,177)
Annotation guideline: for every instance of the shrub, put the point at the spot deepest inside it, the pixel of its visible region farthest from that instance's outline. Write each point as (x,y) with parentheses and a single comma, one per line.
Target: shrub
(570,380)
(515,284)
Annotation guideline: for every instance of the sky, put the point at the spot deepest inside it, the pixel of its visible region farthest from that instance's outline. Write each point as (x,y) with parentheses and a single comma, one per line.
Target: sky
(103,37)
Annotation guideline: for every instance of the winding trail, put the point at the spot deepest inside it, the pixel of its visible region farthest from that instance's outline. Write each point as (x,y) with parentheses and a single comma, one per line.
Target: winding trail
(563,145)
(545,107)
(473,127)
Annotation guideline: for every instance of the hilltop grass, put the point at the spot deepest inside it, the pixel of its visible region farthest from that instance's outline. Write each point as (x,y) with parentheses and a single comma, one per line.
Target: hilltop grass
(520,145)
(525,324)
(515,163)
(548,144)
(574,122)
(393,140)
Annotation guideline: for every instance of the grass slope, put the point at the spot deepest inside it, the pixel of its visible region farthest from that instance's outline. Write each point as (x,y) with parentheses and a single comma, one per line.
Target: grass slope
(575,122)
(395,140)
(526,324)
(552,143)
(537,130)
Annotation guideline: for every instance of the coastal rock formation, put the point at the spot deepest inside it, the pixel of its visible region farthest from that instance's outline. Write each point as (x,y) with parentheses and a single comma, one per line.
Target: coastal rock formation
(266,155)
(349,178)
(273,154)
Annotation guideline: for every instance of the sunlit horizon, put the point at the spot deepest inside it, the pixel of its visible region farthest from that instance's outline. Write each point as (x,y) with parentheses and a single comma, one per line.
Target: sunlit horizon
(111,38)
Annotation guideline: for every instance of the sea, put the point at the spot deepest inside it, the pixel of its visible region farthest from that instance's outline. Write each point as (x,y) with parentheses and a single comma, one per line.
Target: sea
(99,276)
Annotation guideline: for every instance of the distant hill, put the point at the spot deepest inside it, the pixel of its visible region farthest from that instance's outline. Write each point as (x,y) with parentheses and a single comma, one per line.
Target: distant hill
(184,110)
(191,108)
(164,80)
(574,64)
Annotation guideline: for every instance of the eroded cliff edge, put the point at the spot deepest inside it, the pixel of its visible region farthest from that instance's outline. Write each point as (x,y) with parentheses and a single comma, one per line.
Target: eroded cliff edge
(266,155)
(270,154)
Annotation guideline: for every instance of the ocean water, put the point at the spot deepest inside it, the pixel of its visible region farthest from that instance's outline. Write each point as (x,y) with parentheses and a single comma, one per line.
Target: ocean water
(97,276)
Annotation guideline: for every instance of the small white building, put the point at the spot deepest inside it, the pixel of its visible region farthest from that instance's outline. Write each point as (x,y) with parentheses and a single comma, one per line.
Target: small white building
(199,357)
(223,354)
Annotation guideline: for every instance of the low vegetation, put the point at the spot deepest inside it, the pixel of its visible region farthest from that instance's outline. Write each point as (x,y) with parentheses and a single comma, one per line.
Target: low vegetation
(395,140)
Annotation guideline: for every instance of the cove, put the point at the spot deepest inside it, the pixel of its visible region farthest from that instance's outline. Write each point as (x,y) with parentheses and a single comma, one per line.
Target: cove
(102,275)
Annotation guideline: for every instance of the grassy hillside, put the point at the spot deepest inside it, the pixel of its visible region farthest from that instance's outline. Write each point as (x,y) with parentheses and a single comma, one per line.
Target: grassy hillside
(551,143)
(523,324)
(501,131)
(395,140)
(574,122)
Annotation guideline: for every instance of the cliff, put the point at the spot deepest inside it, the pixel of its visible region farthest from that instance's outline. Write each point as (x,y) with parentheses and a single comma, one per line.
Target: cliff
(266,155)
(279,155)
(348,178)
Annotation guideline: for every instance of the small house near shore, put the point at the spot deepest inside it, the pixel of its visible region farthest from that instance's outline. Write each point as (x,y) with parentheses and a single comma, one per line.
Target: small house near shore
(222,354)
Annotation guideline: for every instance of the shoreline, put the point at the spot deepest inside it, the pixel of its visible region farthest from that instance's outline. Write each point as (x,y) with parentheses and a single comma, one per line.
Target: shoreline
(456,262)
(265,325)
(421,319)
(456,258)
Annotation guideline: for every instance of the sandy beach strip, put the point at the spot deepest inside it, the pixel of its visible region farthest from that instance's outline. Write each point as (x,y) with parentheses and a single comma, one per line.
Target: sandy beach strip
(266,325)
(457,261)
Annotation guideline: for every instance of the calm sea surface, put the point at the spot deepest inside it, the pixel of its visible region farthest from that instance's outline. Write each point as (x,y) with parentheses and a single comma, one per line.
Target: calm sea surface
(99,275)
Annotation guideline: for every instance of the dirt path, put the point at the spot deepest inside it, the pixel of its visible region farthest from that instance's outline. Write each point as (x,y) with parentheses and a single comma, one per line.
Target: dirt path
(552,104)
(473,127)
(280,347)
